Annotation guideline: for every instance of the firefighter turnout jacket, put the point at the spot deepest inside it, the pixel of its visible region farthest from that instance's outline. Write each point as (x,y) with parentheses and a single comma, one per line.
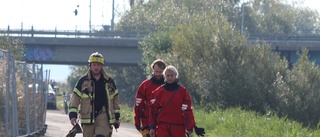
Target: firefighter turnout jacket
(92,95)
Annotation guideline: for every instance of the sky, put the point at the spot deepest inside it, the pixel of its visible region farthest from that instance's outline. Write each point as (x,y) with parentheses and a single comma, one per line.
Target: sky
(51,14)
(58,14)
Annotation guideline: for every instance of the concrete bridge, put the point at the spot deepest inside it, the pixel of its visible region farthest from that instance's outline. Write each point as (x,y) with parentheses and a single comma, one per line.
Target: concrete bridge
(121,48)
(288,46)
(76,51)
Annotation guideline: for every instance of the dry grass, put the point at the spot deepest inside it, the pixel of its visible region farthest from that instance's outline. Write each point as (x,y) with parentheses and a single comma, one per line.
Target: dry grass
(2,96)
(21,103)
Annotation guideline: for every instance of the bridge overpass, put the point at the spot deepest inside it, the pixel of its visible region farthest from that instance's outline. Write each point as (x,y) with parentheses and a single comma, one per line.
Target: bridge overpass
(121,48)
(76,51)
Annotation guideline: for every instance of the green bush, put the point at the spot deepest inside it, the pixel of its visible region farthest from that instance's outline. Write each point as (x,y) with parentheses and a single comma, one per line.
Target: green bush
(126,114)
(298,92)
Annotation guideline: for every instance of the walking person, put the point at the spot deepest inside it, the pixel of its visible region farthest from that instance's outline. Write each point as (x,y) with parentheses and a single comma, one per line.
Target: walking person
(171,112)
(98,97)
(143,97)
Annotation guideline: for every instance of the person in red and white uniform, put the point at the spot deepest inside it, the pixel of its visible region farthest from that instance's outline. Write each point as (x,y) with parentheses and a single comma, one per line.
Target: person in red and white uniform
(143,97)
(171,112)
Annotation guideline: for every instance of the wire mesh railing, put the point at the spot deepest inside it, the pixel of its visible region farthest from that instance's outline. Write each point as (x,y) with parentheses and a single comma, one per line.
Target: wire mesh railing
(23,97)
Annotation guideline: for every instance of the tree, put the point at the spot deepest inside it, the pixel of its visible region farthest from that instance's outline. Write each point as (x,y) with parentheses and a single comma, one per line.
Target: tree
(216,61)
(299,91)
(127,80)
(16,46)
(277,17)
(153,46)
(260,16)
(76,73)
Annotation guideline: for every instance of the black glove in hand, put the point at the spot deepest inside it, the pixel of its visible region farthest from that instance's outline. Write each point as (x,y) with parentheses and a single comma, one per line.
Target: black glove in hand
(138,127)
(199,131)
(116,125)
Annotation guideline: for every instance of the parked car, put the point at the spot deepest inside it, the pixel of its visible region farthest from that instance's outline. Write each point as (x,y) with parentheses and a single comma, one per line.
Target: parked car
(52,99)
(51,95)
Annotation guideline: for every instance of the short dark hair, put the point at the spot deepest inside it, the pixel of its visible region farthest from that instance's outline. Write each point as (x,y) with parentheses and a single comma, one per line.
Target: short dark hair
(160,63)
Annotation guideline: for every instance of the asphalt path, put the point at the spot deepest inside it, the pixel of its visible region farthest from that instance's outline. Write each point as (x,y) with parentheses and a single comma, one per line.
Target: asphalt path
(59,126)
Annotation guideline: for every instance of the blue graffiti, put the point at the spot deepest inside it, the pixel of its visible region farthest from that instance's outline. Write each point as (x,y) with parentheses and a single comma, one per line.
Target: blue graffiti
(39,53)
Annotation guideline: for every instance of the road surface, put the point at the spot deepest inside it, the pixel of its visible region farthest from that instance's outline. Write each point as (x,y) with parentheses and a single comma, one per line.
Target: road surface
(59,125)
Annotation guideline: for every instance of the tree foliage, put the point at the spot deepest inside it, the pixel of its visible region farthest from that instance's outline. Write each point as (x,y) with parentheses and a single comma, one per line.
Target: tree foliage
(259,16)
(153,46)
(298,91)
(16,46)
(171,12)
(128,80)
(76,73)
(278,17)
(217,62)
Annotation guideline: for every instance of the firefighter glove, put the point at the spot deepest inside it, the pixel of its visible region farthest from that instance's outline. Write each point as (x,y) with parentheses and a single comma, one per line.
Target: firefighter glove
(199,131)
(116,125)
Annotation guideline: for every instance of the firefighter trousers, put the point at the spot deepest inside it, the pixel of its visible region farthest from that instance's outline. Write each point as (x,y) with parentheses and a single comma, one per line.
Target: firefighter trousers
(100,127)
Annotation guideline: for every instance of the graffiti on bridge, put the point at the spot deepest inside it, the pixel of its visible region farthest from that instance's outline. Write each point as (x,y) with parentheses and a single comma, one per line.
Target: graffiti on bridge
(39,53)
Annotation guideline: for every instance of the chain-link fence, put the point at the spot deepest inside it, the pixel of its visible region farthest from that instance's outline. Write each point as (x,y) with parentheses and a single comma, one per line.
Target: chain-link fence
(23,96)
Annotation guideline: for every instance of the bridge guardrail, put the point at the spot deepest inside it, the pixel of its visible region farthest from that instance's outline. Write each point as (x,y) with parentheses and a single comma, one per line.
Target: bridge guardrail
(284,37)
(130,33)
(36,33)
(125,32)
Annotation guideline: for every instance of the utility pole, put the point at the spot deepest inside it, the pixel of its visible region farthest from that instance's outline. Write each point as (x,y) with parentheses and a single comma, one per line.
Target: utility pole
(242,17)
(75,14)
(90,18)
(242,14)
(112,20)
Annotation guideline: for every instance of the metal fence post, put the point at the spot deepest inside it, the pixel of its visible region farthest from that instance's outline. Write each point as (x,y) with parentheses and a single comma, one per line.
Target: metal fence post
(34,96)
(14,100)
(26,89)
(7,93)
(44,93)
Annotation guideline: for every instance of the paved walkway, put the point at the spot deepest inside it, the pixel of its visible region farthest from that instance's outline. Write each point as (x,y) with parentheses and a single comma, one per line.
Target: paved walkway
(59,126)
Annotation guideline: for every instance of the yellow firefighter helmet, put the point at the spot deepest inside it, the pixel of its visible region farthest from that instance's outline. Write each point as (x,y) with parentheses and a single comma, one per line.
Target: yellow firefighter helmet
(96,57)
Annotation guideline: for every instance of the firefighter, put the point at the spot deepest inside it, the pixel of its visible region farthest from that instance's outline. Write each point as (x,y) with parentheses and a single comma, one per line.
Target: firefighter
(143,97)
(171,111)
(98,97)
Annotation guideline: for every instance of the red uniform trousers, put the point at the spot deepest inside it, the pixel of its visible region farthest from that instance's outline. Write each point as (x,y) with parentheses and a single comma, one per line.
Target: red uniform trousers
(170,130)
